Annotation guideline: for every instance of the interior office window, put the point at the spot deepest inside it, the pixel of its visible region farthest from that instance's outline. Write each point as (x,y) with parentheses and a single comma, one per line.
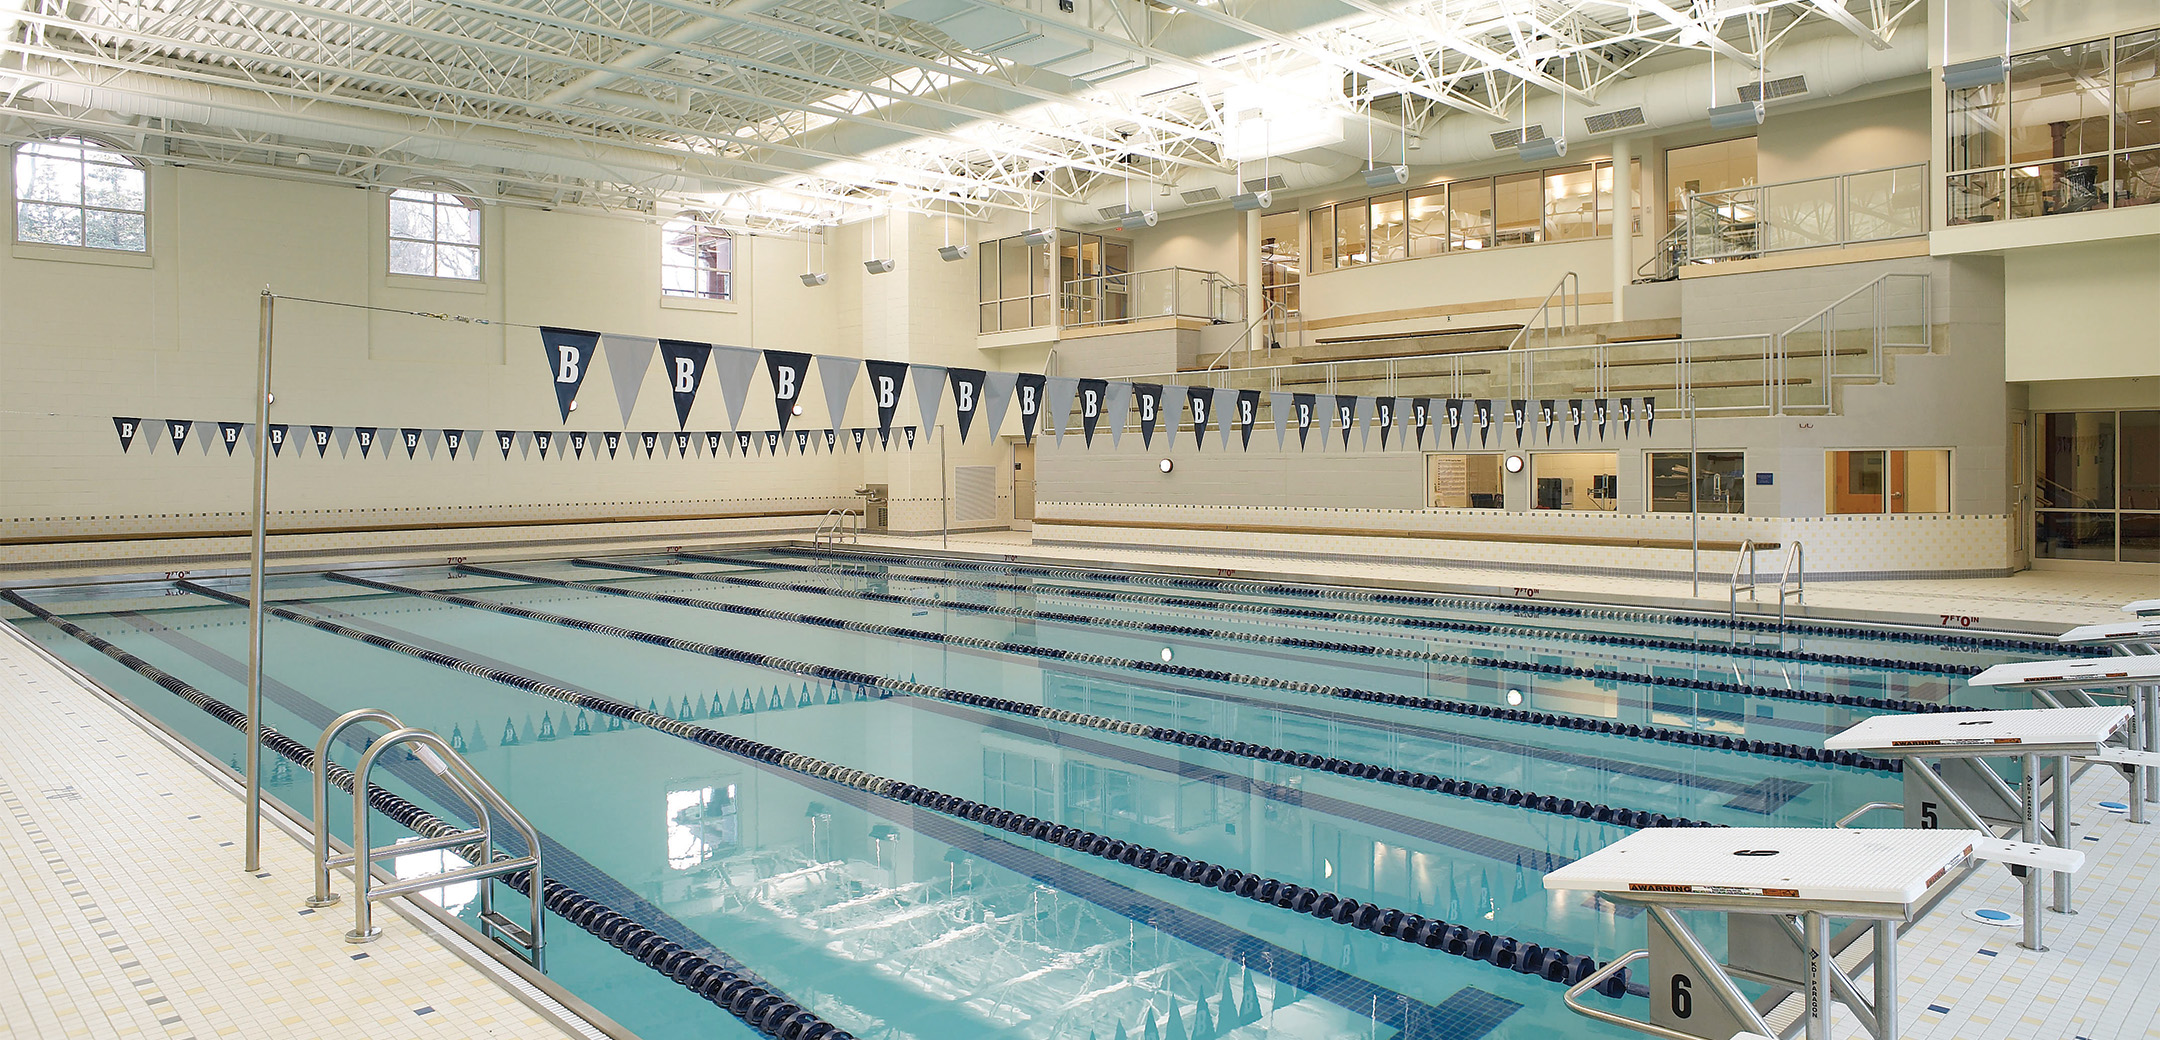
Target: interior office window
(1323,238)
(1586,480)
(1975,127)
(1887,482)
(1717,166)
(2074,486)
(1470,214)
(1428,221)
(696,260)
(1351,228)
(1975,198)
(434,234)
(1518,208)
(1280,259)
(1464,481)
(2059,102)
(2137,90)
(1389,232)
(1571,203)
(72,191)
(1718,477)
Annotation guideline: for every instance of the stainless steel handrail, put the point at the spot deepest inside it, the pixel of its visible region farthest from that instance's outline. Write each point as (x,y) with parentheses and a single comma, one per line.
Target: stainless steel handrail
(1269,309)
(1734,588)
(846,524)
(476,845)
(1543,314)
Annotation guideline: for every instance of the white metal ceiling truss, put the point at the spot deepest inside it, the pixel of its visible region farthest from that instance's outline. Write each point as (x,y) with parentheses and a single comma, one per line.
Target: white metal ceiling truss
(795,112)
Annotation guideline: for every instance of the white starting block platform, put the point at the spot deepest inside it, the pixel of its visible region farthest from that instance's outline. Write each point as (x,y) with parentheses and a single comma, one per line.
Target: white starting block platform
(2139,636)
(2135,678)
(2142,607)
(1947,784)
(1778,889)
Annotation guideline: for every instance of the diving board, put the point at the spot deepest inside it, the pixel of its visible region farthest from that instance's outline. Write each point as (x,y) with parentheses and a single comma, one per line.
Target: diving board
(1778,888)
(1946,783)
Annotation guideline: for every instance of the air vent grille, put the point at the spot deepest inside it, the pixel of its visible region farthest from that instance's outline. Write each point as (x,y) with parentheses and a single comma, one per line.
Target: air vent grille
(1507,139)
(1606,122)
(1774,89)
(1200,195)
(1113,212)
(1274,183)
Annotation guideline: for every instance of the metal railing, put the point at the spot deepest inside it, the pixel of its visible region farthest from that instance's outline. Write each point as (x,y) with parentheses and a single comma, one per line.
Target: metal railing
(1275,318)
(837,526)
(1816,212)
(1666,257)
(1542,318)
(476,846)
(1162,292)
(1845,341)
(1791,583)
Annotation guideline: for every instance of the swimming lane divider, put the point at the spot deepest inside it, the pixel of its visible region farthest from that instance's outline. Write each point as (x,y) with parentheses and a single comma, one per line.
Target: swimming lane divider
(1715,742)
(1298,642)
(732,989)
(1521,956)
(1488,605)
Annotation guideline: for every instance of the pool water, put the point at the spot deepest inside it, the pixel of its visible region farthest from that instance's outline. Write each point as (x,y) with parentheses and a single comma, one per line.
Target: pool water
(891,919)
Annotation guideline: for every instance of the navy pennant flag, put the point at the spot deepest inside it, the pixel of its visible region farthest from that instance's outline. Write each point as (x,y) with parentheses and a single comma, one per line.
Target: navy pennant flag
(1421,419)
(504,438)
(366,436)
(277,438)
(1574,413)
(613,440)
(569,355)
(1200,399)
(682,444)
(1548,411)
(1148,398)
(1454,421)
(1484,420)
(884,438)
(229,435)
(178,430)
(1627,416)
(542,440)
(802,442)
(577,443)
(967,390)
(887,379)
(1519,409)
(786,369)
(1346,414)
(1029,388)
(684,363)
(832,441)
(1598,412)
(452,439)
(412,442)
(910,437)
(1091,408)
(772,443)
(742,441)
(1302,407)
(1649,415)
(126,426)
(1384,414)
(856,434)
(713,440)
(651,441)
(1248,412)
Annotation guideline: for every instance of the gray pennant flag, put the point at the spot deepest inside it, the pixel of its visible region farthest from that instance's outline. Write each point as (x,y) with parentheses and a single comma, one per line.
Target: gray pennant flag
(1363,413)
(837,376)
(733,367)
(1225,412)
(929,383)
(997,394)
(433,438)
(524,444)
(1280,404)
(1117,408)
(154,432)
(344,435)
(628,359)
(1058,392)
(247,434)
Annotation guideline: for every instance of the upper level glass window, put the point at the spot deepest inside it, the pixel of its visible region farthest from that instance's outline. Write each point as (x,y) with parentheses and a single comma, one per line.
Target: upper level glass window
(696,260)
(434,234)
(71,191)
(2077,128)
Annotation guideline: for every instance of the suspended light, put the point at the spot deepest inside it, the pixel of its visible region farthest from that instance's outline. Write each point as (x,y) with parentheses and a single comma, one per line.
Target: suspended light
(1541,149)
(1137,219)
(953,252)
(1978,72)
(1040,236)
(1382,176)
(812,278)
(1252,200)
(879,266)
(1733,117)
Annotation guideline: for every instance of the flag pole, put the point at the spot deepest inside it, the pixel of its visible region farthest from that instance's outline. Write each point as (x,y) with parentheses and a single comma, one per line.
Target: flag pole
(253,853)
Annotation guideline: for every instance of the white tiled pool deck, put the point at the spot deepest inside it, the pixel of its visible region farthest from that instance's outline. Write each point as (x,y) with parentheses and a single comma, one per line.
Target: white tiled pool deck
(125,912)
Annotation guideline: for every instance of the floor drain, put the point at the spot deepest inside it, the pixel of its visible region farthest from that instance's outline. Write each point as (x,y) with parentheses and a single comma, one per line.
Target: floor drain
(2114,807)
(1990,915)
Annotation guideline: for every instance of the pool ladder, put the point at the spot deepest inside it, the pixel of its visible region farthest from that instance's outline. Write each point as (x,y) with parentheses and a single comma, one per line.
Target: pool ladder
(836,526)
(476,845)
(1791,582)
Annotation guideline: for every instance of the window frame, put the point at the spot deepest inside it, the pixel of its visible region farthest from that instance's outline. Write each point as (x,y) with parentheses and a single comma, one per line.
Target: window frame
(1323,222)
(88,146)
(436,192)
(2103,176)
(1650,481)
(699,226)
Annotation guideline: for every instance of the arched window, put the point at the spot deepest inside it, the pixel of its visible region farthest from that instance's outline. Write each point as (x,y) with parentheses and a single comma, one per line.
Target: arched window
(434,234)
(72,191)
(696,259)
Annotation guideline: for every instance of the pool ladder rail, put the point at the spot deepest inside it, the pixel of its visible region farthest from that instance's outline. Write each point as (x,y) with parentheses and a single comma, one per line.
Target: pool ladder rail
(476,845)
(1791,582)
(837,526)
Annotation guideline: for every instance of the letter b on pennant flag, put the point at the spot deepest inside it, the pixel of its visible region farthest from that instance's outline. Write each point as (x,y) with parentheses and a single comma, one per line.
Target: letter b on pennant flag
(569,355)
(685,370)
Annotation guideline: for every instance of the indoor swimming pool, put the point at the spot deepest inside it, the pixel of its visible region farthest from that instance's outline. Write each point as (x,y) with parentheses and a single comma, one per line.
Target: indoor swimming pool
(938,797)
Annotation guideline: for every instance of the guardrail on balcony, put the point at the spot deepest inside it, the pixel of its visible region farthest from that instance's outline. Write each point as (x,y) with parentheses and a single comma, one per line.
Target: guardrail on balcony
(1162,292)
(1839,210)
